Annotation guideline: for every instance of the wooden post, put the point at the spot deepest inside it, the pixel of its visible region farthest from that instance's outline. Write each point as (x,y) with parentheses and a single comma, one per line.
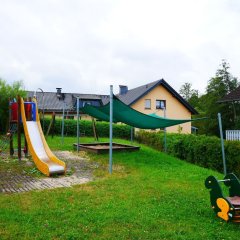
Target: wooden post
(94,130)
(25,146)
(11,149)
(19,129)
(51,125)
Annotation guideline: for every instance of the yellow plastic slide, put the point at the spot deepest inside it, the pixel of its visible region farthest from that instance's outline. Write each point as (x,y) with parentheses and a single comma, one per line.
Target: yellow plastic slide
(42,156)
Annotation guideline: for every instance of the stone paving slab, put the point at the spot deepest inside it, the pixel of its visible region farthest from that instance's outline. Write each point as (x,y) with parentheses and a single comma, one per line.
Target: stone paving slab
(82,173)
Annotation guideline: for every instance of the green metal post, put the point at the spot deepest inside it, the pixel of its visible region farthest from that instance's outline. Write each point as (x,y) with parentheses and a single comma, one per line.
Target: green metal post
(165,133)
(131,134)
(78,124)
(63,122)
(19,129)
(222,144)
(110,129)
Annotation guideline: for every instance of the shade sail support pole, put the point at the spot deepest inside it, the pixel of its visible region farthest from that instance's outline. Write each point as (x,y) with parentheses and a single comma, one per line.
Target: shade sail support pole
(78,140)
(132,130)
(63,116)
(165,133)
(110,128)
(222,144)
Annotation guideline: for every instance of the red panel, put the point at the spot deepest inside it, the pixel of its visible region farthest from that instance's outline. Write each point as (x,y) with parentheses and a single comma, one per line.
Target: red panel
(14,108)
(28,111)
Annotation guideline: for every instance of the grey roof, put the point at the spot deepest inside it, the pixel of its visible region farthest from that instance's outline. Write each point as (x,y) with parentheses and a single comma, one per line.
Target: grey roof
(86,96)
(135,94)
(232,96)
(51,102)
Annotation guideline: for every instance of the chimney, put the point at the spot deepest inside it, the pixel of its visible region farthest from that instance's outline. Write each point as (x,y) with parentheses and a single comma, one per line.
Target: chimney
(59,93)
(123,89)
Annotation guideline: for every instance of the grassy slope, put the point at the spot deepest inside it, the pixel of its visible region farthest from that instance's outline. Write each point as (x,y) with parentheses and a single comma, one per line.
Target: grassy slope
(153,196)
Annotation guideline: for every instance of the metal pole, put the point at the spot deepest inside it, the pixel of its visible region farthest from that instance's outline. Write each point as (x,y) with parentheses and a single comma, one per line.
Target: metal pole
(222,143)
(19,129)
(165,133)
(43,111)
(131,135)
(78,124)
(110,129)
(63,122)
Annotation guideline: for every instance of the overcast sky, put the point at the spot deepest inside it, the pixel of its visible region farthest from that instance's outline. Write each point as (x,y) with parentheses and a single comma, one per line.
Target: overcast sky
(86,45)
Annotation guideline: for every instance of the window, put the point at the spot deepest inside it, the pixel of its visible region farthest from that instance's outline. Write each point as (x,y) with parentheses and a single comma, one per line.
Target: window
(92,102)
(147,103)
(160,104)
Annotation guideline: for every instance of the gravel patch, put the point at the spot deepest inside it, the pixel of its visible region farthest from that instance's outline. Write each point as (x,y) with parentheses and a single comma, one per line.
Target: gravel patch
(79,171)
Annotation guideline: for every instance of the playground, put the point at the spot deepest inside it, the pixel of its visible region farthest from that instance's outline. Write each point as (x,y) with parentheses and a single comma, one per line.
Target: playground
(150,195)
(146,194)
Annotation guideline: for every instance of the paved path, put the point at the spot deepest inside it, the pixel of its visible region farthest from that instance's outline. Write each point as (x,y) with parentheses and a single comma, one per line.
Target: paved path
(81,167)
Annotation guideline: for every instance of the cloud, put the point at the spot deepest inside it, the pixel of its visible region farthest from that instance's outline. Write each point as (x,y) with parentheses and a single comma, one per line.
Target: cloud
(84,46)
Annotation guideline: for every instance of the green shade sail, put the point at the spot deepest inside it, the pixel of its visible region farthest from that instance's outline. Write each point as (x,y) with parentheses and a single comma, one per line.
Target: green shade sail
(125,114)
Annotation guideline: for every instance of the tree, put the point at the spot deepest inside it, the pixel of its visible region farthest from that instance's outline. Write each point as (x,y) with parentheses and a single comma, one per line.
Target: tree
(219,86)
(187,92)
(194,99)
(8,91)
(190,95)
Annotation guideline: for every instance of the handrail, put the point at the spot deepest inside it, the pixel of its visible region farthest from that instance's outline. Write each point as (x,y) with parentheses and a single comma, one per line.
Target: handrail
(225,180)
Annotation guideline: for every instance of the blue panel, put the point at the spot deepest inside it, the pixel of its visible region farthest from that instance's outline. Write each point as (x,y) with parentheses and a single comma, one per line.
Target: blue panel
(33,111)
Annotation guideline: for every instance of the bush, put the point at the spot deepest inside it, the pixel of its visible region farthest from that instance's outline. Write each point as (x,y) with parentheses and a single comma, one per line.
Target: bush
(70,128)
(198,149)
(8,91)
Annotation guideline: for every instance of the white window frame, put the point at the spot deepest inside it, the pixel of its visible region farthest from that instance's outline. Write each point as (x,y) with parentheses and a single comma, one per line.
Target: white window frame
(147,104)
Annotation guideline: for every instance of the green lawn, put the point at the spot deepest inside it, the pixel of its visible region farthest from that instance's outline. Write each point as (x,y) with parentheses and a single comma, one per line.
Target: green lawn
(150,195)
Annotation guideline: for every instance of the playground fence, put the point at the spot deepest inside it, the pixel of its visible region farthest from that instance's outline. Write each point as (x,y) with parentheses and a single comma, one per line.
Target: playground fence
(233,135)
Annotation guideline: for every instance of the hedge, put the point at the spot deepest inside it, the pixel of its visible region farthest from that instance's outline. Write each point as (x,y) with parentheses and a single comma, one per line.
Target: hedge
(198,149)
(70,128)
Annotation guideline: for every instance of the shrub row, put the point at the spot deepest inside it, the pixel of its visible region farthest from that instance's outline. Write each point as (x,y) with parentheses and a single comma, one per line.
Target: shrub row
(198,149)
(86,128)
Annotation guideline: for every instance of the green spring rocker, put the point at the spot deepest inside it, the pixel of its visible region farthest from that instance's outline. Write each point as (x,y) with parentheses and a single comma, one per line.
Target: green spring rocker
(227,208)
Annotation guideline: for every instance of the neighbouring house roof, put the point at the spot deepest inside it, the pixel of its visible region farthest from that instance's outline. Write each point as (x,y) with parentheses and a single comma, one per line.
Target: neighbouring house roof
(53,103)
(232,96)
(133,95)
